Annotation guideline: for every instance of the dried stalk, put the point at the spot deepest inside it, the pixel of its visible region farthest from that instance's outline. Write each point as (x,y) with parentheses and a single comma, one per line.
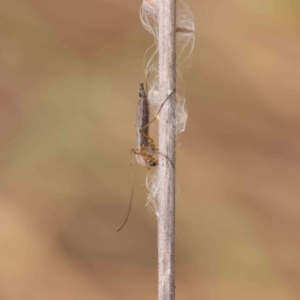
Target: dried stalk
(167,143)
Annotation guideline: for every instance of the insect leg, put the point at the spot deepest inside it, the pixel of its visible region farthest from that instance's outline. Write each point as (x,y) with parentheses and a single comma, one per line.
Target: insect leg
(158,111)
(166,157)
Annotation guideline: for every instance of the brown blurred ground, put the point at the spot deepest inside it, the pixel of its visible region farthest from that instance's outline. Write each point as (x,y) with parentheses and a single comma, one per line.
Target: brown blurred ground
(68,90)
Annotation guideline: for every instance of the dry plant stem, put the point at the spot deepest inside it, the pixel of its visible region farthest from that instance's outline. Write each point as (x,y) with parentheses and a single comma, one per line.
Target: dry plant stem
(167,142)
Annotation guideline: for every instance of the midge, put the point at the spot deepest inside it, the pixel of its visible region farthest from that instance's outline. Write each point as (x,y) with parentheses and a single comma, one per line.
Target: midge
(145,147)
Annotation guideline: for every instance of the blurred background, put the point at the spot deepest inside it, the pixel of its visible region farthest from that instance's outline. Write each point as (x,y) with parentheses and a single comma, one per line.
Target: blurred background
(69,80)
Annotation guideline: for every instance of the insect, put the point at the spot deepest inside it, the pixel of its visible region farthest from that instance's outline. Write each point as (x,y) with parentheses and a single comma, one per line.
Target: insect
(145,147)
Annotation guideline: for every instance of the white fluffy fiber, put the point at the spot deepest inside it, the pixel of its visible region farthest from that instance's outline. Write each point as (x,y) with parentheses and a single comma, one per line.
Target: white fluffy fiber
(184,47)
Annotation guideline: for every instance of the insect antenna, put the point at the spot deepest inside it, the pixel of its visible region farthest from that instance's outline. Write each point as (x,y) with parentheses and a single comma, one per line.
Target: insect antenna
(131,197)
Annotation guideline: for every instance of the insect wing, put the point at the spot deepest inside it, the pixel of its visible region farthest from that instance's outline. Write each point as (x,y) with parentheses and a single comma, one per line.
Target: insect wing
(142,119)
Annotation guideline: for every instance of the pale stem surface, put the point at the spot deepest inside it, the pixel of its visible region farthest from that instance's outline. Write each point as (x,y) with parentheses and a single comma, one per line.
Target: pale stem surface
(167,143)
